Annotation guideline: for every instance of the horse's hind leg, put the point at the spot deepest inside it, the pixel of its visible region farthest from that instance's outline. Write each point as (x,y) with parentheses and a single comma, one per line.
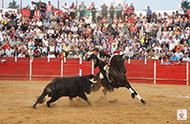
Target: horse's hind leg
(105,90)
(133,93)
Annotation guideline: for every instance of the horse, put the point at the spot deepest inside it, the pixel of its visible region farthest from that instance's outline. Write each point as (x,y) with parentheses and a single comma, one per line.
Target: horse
(116,73)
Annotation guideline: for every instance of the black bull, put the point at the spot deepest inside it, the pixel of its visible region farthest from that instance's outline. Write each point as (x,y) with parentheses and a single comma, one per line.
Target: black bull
(117,76)
(71,87)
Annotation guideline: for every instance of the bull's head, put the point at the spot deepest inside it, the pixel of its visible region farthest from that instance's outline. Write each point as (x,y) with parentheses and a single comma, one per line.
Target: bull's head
(39,100)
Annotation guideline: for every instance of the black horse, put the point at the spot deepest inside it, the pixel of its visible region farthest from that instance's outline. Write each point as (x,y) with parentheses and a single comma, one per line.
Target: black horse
(116,74)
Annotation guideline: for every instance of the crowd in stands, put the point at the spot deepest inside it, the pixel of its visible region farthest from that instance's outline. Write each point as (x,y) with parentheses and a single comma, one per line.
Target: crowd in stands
(154,36)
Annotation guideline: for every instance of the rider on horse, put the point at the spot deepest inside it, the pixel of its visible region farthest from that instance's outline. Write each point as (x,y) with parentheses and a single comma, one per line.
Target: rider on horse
(99,60)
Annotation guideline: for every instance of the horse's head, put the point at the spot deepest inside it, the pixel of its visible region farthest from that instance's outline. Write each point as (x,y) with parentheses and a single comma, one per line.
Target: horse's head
(118,63)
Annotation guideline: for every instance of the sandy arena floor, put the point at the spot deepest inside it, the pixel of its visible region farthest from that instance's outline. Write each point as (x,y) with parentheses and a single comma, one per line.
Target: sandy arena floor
(17,98)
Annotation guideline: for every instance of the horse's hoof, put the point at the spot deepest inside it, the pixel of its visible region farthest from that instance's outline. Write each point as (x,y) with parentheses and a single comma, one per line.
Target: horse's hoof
(143,102)
(33,107)
(133,95)
(110,101)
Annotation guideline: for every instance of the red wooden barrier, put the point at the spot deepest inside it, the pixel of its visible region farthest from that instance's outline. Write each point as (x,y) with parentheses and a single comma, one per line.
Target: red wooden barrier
(171,72)
(10,67)
(137,70)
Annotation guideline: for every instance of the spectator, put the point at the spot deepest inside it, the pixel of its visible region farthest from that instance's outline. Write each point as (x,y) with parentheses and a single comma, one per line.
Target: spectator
(43,9)
(43,55)
(131,9)
(82,9)
(9,52)
(21,55)
(126,10)
(77,56)
(44,48)
(137,57)
(66,48)
(130,53)
(51,55)
(119,10)
(61,55)
(53,23)
(154,57)
(169,53)
(65,8)
(93,11)
(52,16)
(11,24)
(52,48)
(179,54)
(174,58)
(186,58)
(72,10)
(188,53)
(58,48)
(104,10)
(148,13)
(2,52)
(70,55)
(142,57)
(73,51)
(39,23)
(81,51)
(112,10)
(46,24)
(32,8)
(167,62)
(49,7)
(31,52)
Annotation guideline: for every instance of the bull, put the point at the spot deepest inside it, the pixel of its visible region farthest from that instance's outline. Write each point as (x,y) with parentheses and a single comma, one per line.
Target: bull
(71,87)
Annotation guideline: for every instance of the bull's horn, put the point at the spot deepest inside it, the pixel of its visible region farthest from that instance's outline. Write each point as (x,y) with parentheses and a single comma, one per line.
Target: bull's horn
(94,82)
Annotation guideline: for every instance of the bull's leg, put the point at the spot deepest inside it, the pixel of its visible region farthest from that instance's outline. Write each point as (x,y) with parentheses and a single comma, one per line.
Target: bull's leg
(71,101)
(53,99)
(105,90)
(70,98)
(83,96)
(133,93)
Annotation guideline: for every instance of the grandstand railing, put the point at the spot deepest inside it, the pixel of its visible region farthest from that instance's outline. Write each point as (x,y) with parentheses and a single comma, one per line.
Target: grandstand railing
(140,71)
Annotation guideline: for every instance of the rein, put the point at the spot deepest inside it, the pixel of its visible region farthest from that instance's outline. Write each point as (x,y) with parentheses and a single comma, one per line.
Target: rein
(116,72)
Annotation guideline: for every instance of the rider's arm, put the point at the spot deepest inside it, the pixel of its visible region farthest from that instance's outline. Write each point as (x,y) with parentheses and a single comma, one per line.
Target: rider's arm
(89,58)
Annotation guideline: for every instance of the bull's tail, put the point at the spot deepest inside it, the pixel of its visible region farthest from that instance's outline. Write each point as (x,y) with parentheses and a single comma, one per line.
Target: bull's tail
(47,91)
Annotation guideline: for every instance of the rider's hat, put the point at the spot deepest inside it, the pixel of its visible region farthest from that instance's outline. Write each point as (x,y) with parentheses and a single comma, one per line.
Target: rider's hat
(95,49)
